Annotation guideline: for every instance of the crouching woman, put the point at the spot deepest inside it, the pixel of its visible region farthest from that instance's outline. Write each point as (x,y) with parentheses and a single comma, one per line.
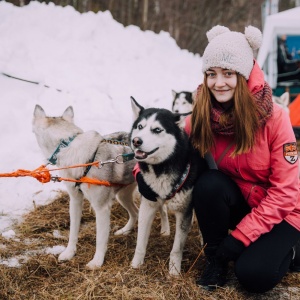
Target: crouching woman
(248,209)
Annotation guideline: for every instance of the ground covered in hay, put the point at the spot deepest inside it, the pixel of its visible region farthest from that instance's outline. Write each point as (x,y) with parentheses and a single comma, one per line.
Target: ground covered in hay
(41,276)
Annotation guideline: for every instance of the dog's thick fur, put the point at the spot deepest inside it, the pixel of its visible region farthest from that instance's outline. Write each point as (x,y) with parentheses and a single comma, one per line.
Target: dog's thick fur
(182,102)
(163,152)
(49,132)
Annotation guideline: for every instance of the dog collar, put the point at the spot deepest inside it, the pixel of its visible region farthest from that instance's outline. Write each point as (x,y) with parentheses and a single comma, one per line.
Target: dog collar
(63,144)
(177,187)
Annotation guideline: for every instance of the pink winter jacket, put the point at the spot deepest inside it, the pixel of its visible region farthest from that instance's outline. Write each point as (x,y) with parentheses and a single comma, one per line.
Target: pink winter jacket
(268,181)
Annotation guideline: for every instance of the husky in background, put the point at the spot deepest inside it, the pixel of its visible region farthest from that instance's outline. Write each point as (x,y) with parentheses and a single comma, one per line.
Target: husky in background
(169,168)
(80,148)
(283,101)
(182,102)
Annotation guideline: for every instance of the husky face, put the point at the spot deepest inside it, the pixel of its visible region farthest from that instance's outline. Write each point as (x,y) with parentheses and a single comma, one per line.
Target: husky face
(183,102)
(153,135)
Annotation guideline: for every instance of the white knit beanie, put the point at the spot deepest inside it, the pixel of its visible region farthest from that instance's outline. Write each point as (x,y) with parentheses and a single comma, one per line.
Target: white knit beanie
(231,50)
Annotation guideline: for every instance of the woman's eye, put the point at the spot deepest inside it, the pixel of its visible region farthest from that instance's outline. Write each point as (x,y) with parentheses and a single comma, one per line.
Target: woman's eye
(229,73)
(157,130)
(210,75)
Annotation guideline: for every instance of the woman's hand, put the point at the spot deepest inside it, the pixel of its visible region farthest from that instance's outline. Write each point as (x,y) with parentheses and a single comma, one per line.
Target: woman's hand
(230,249)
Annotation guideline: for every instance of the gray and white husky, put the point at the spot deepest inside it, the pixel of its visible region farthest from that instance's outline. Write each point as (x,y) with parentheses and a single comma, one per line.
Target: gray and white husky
(169,167)
(65,144)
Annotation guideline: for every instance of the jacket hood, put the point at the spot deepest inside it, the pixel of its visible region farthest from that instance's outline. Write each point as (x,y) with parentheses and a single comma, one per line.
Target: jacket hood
(256,79)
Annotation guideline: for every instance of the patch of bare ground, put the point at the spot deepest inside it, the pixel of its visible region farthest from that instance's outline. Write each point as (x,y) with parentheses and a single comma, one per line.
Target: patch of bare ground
(41,276)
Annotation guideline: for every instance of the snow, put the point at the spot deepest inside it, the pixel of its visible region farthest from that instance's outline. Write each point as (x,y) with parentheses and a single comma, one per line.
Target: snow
(89,61)
(8,234)
(55,250)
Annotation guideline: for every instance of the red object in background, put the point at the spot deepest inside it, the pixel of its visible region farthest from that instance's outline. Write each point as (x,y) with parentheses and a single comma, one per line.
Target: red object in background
(294,108)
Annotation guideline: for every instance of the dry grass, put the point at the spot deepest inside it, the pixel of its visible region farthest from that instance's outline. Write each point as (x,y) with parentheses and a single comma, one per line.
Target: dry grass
(41,276)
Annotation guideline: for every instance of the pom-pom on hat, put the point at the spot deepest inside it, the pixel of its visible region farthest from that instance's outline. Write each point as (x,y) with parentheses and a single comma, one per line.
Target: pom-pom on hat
(231,50)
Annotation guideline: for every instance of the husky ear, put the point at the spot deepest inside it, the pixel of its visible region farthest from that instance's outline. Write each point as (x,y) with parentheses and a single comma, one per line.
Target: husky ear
(285,98)
(136,108)
(180,119)
(39,112)
(174,94)
(68,114)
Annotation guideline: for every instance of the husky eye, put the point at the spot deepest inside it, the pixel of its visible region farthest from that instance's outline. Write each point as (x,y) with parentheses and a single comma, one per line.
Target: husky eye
(156,130)
(140,126)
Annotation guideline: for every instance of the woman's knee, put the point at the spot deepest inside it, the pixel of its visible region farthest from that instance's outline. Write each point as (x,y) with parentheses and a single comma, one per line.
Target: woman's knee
(255,276)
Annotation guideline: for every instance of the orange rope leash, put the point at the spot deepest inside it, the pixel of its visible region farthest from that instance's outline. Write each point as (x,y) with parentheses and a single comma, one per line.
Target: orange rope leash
(95,163)
(43,175)
(89,181)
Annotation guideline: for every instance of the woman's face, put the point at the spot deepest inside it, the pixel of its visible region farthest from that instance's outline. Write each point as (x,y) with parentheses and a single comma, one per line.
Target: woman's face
(221,83)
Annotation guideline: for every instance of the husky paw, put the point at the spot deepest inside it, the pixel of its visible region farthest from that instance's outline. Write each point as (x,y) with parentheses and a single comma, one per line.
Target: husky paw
(136,263)
(94,264)
(165,232)
(173,272)
(66,255)
(123,231)
(174,268)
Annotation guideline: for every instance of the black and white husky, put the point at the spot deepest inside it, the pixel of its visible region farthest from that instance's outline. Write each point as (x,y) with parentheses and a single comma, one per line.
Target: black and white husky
(169,167)
(182,102)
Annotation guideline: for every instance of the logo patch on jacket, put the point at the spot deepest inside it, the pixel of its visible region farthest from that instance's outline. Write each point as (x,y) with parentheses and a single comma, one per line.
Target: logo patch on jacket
(290,152)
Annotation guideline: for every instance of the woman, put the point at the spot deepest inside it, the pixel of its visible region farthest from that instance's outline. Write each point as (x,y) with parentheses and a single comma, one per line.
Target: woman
(255,191)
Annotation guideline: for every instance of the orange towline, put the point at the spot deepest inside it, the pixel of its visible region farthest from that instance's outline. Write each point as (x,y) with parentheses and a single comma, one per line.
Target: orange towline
(42,174)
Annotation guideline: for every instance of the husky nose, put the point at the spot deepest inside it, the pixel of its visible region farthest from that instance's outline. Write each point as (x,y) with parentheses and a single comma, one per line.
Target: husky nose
(137,142)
